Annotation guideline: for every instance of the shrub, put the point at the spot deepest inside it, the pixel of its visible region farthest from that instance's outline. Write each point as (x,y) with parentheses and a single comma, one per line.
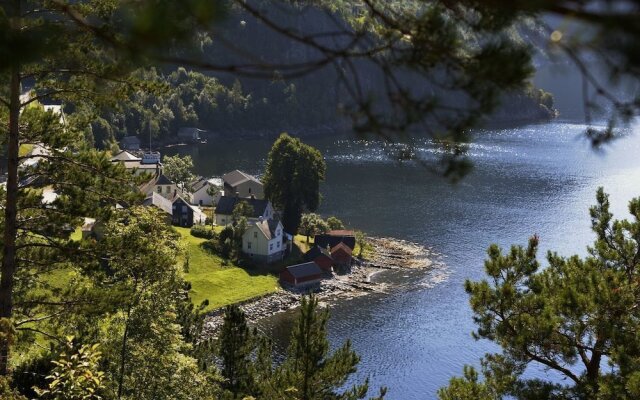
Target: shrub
(203,232)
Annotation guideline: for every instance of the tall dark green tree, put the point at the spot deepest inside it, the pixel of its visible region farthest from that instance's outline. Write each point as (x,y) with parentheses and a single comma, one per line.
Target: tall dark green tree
(236,346)
(577,316)
(309,371)
(292,179)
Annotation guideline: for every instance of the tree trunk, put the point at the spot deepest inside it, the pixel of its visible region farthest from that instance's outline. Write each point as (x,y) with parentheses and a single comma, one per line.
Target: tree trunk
(123,352)
(8,269)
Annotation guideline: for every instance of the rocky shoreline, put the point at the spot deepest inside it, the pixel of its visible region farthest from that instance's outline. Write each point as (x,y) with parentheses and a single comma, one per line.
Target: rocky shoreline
(385,254)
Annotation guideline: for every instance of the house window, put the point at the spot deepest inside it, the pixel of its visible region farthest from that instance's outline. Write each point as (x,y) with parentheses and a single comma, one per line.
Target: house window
(159,189)
(184,208)
(249,245)
(271,247)
(167,189)
(249,190)
(255,235)
(278,244)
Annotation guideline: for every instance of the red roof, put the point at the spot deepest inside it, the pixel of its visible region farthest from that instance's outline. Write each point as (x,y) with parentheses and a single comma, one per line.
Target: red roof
(343,247)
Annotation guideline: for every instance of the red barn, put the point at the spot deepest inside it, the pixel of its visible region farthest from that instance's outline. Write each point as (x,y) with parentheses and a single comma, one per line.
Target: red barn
(341,254)
(306,276)
(320,256)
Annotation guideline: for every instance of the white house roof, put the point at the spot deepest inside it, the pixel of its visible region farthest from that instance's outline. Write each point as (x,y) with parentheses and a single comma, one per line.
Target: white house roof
(125,156)
(155,199)
(268,227)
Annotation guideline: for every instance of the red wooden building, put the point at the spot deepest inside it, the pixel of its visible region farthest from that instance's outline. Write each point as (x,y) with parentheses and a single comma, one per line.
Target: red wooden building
(341,254)
(320,256)
(302,276)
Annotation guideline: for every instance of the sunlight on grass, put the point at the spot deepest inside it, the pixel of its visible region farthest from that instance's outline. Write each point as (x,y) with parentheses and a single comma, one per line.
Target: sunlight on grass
(220,284)
(24,149)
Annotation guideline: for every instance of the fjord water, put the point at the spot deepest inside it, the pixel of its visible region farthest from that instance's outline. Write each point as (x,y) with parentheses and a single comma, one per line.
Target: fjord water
(538,179)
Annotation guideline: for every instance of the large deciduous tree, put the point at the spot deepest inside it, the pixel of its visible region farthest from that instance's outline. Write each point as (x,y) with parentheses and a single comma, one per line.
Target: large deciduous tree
(312,224)
(292,179)
(179,169)
(578,317)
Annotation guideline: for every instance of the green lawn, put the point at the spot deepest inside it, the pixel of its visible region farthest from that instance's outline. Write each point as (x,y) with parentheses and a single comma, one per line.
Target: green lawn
(301,242)
(220,284)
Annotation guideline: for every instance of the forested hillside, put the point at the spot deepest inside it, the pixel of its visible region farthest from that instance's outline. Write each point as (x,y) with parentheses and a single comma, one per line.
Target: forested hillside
(232,104)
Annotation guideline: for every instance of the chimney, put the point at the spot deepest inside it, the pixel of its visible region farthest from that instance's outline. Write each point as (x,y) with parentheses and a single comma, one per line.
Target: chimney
(237,194)
(253,197)
(260,218)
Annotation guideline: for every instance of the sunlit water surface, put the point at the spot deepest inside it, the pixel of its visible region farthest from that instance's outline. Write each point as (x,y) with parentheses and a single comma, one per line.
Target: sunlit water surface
(535,179)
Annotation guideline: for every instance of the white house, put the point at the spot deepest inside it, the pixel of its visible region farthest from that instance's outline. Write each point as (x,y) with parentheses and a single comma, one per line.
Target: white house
(262,241)
(200,188)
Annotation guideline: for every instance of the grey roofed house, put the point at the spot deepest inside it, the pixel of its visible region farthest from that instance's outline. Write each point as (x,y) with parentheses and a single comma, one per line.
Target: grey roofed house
(152,184)
(155,199)
(130,143)
(268,227)
(163,180)
(315,252)
(234,178)
(125,156)
(332,238)
(198,184)
(226,204)
(304,270)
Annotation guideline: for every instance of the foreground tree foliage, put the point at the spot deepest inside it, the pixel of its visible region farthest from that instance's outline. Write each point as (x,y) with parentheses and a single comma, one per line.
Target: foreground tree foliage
(292,179)
(577,317)
(309,371)
(122,292)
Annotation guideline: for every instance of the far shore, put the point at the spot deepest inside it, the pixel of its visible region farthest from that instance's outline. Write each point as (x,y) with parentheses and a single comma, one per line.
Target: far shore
(387,254)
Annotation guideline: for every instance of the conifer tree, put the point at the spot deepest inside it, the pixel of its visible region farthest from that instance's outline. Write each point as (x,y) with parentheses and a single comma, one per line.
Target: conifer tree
(236,345)
(309,371)
(577,317)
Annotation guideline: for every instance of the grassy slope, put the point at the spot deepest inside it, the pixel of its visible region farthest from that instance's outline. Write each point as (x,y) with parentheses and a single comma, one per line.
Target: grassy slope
(221,285)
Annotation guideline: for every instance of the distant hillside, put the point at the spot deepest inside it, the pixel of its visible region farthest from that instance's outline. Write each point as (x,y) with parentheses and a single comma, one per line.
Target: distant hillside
(231,105)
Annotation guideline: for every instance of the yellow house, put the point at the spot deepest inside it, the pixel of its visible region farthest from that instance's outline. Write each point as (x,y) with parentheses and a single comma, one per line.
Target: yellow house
(262,241)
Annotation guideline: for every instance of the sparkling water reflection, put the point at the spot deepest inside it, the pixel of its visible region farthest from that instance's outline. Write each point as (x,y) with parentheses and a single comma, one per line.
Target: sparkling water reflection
(536,179)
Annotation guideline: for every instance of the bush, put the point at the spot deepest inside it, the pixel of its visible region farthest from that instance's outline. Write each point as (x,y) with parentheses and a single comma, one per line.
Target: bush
(203,232)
